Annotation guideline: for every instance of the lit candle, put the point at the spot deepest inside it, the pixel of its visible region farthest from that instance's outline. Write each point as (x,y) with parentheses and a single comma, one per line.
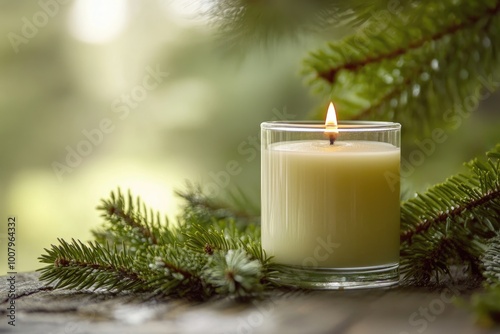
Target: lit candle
(331,204)
(331,125)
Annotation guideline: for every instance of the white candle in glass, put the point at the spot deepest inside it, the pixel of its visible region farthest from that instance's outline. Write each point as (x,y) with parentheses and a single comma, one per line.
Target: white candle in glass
(332,206)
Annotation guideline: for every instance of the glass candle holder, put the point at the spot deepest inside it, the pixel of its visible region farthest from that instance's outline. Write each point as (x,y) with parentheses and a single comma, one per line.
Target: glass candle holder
(331,209)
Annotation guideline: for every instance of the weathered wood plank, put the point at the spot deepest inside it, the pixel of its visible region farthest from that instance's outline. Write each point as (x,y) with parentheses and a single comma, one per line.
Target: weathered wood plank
(41,310)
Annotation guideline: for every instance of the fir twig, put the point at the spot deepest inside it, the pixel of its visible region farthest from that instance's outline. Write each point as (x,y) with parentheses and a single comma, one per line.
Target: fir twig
(78,266)
(451,222)
(135,252)
(452,28)
(243,22)
(486,304)
(117,210)
(402,71)
(234,272)
(204,209)
(128,220)
(491,262)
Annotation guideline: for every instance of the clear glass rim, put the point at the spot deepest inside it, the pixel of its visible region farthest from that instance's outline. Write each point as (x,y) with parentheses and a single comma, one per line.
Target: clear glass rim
(319,126)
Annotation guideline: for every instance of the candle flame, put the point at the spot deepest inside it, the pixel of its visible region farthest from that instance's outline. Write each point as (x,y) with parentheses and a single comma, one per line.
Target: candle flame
(331,126)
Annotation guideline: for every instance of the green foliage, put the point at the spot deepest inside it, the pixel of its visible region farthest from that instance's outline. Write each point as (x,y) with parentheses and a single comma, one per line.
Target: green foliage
(245,22)
(452,223)
(135,251)
(486,306)
(201,208)
(129,221)
(76,265)
(234,272)
(423,64)
(491,262)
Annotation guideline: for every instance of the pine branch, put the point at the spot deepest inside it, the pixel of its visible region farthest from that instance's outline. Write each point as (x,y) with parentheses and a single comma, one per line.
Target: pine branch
(196,259)
(449,225)
(176,271)
(224,236)
(244,22)
(203,209)
(235,273)
(486,304)
(164,270)
(117,210)
(413,71)
(451,222)
(453,28)
(491,262)
(463,206)
(130,221)
(78,266)
(209,240)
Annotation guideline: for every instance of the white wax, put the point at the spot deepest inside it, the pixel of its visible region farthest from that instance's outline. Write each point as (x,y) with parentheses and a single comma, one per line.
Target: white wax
(334,206)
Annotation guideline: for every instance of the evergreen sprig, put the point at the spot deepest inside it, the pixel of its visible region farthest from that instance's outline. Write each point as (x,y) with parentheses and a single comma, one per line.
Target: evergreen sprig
(491,262)
(452,222)
(135,251)
(203,209)
(75,265)
(244,22)
(400,69)
(127,220)
(235,272)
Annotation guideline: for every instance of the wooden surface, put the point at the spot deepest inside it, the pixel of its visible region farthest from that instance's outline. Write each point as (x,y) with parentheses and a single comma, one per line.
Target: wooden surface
(401,310)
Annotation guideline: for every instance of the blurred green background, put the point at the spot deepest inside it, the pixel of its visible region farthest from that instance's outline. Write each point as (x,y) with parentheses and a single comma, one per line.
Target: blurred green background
(81,63)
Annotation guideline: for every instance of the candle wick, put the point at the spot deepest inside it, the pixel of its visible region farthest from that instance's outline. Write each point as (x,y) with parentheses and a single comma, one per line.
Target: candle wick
(332,139)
